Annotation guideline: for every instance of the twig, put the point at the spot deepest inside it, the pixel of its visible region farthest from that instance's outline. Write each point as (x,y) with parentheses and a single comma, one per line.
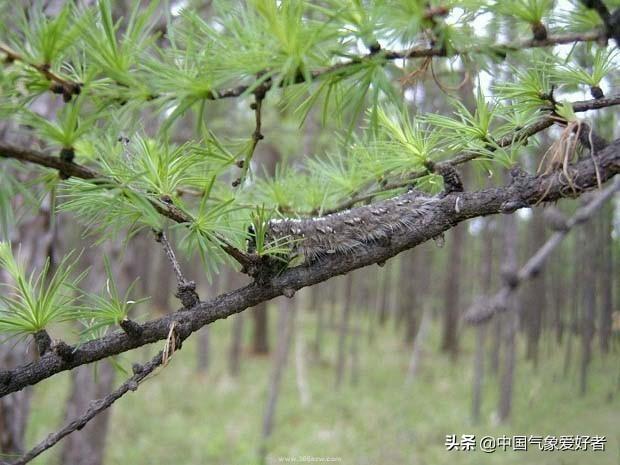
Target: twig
(186,290)
(95,408)
(485,309)
(63,86)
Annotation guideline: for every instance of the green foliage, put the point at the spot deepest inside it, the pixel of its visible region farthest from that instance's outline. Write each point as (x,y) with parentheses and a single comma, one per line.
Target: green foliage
(107,207)
(531,11)
(70,126)
(109,307)
(603,63)
(262,245)
(32,302)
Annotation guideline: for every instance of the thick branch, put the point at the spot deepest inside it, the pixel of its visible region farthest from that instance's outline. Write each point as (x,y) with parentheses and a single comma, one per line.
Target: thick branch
(443,214)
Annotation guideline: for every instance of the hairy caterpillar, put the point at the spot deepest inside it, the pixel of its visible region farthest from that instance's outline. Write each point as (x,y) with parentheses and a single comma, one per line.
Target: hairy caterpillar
(343,232)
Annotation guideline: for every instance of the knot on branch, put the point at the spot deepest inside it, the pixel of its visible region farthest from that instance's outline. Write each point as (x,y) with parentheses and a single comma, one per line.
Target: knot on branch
(131,328)
(186,293)
(510,278)
(63,350)
(42,341)
(137,368)
(451,178)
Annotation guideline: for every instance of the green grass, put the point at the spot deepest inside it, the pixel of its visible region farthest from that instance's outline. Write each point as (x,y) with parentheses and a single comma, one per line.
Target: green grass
(180,417)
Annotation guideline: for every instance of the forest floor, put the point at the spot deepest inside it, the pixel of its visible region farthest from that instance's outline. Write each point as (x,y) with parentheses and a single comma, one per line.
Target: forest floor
(181,417)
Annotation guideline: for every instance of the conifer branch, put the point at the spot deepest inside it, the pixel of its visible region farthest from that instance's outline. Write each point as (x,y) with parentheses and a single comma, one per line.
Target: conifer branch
(484,309)
(441,215)
(518,136)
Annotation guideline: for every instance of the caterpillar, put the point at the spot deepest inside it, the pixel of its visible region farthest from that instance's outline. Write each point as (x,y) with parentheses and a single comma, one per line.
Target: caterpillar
(344,232)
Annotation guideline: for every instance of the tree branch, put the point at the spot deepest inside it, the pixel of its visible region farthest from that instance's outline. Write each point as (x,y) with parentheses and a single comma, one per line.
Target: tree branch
(95,408)
(521,135)
(441,215)
(483,310)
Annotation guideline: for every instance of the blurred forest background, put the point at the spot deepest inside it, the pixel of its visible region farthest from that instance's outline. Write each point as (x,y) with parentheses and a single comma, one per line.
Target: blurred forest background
(375,367)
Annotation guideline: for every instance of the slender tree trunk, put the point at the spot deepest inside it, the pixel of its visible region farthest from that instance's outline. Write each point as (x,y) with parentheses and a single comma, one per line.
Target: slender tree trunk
(510,321)
(286,324)
(383,298)
(203,360)
(319,306)
(236,345)
(87,446)
(537,301)
(607,277)
(588,302)
(343,329)
(416,353)
(301,375)
(481,331)
(450,342)
(162,285)
(260,339)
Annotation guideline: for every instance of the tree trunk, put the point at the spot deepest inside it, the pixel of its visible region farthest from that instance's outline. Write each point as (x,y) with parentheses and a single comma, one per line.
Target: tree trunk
(203,359)
(607,277)
(286,325)
(236,346)
(536,301)
(450,342)
(260,339)
(481,331)
(343,329)
(510,320)
(87,446)
(588,234)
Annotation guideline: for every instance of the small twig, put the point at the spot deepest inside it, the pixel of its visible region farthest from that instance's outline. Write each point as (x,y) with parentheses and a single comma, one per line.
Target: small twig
(60,85)
(95,408)
(484,310)
(257,136)
(186,290)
